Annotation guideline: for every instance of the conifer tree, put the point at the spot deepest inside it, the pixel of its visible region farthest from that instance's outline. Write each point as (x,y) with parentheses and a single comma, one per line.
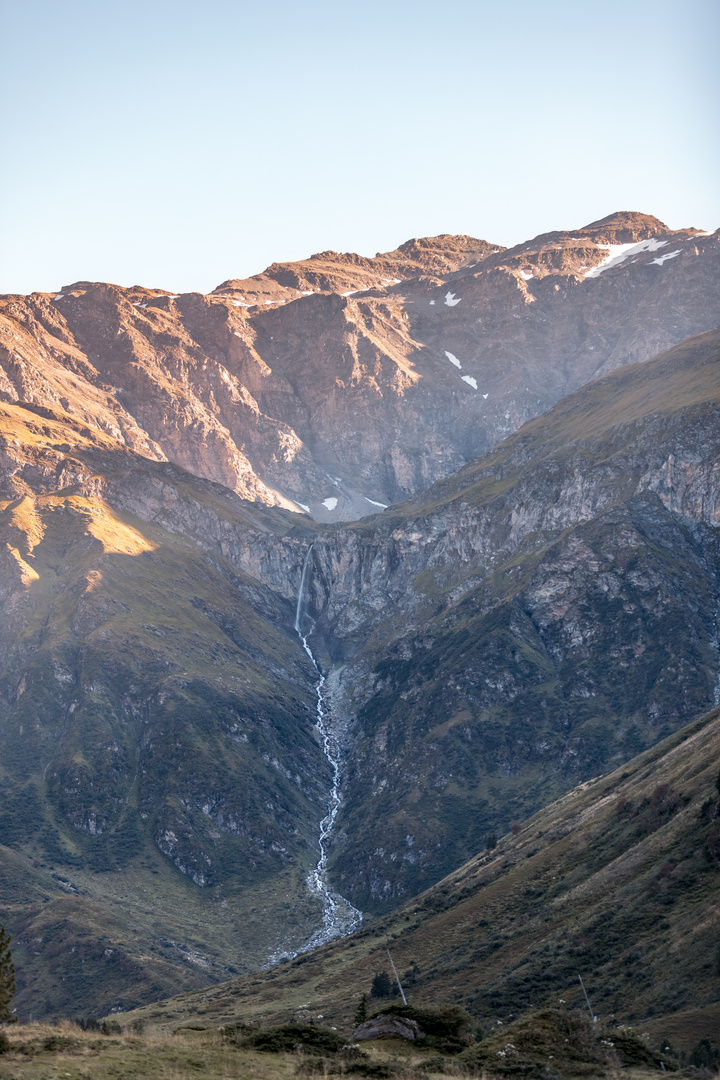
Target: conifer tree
(7,979)
(361,1011)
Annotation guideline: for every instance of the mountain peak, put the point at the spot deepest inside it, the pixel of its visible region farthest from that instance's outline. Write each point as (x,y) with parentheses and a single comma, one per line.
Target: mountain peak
(623,227)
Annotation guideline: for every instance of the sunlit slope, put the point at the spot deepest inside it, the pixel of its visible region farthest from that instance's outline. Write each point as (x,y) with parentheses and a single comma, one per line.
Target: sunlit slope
(617,881)
(160,783)
(360,381)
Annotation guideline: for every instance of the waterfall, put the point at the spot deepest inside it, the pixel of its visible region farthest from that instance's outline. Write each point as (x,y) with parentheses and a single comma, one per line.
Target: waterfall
(339,915)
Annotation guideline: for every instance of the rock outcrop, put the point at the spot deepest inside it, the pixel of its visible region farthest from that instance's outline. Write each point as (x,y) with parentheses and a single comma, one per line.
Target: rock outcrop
(389,1027)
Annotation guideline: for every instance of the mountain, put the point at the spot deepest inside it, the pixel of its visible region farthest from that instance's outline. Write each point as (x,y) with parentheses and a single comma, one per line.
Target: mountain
(616,881)
(538,617)
(154,707)
(341,384)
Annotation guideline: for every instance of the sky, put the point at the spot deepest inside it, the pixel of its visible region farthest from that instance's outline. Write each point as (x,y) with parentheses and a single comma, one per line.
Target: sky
(177,144)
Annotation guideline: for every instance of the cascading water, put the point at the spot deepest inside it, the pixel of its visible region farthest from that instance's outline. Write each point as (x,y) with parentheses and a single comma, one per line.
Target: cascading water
(339,915)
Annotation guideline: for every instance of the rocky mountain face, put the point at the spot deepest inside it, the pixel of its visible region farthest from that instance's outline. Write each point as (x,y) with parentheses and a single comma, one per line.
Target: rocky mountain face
(543,615)
(342,384)
(616,881)
(532,620)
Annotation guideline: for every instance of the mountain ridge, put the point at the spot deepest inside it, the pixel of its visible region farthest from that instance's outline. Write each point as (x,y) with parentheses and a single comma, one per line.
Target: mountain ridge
(300,403)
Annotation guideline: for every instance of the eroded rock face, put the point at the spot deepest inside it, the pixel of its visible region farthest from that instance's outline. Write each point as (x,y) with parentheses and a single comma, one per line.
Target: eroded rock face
(389,1027)
(343,384)
(546,614)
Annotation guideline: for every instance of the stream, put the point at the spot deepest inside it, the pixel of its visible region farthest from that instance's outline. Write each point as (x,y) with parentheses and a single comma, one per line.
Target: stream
(339,917)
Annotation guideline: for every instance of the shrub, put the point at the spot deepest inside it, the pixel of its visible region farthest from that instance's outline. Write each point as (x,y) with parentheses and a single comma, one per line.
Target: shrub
(312,1038)
(382,985)
(7,979)
(704,1055)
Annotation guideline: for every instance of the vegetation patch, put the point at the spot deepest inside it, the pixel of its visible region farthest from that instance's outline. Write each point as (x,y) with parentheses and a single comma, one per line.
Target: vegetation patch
(553,1043)
(309,1038)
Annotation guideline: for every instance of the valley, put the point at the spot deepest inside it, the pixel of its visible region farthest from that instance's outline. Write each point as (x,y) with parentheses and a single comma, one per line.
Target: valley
(396,576)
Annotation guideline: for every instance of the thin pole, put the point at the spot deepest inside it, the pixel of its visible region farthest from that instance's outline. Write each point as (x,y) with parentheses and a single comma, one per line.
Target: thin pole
(402,992)
(592,1015)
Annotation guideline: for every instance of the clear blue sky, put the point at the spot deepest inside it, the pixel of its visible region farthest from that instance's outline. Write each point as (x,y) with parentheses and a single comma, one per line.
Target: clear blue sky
(176,144)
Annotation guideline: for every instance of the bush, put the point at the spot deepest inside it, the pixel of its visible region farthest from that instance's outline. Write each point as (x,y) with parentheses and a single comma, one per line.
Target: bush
(311,1038)
(7,979)
(704,1055)
(382,1070)
(382,985)
(87,1023)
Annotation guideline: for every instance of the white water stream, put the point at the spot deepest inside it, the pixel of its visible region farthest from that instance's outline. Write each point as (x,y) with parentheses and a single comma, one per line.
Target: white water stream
(339,915)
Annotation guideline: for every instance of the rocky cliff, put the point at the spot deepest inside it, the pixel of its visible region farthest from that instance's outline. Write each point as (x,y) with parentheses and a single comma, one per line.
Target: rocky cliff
(536,619)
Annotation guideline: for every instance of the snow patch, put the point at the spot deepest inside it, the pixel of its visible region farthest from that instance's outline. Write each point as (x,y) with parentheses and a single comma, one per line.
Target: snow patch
(664,258)
(469,380)
(373,503)
(485,397)
(350,292)
(450,299)
(303,507)
(453,359)
(432,302)
(310,292)
(330,503)
(526,275)
(239,303)
(58,296)
(618,253)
